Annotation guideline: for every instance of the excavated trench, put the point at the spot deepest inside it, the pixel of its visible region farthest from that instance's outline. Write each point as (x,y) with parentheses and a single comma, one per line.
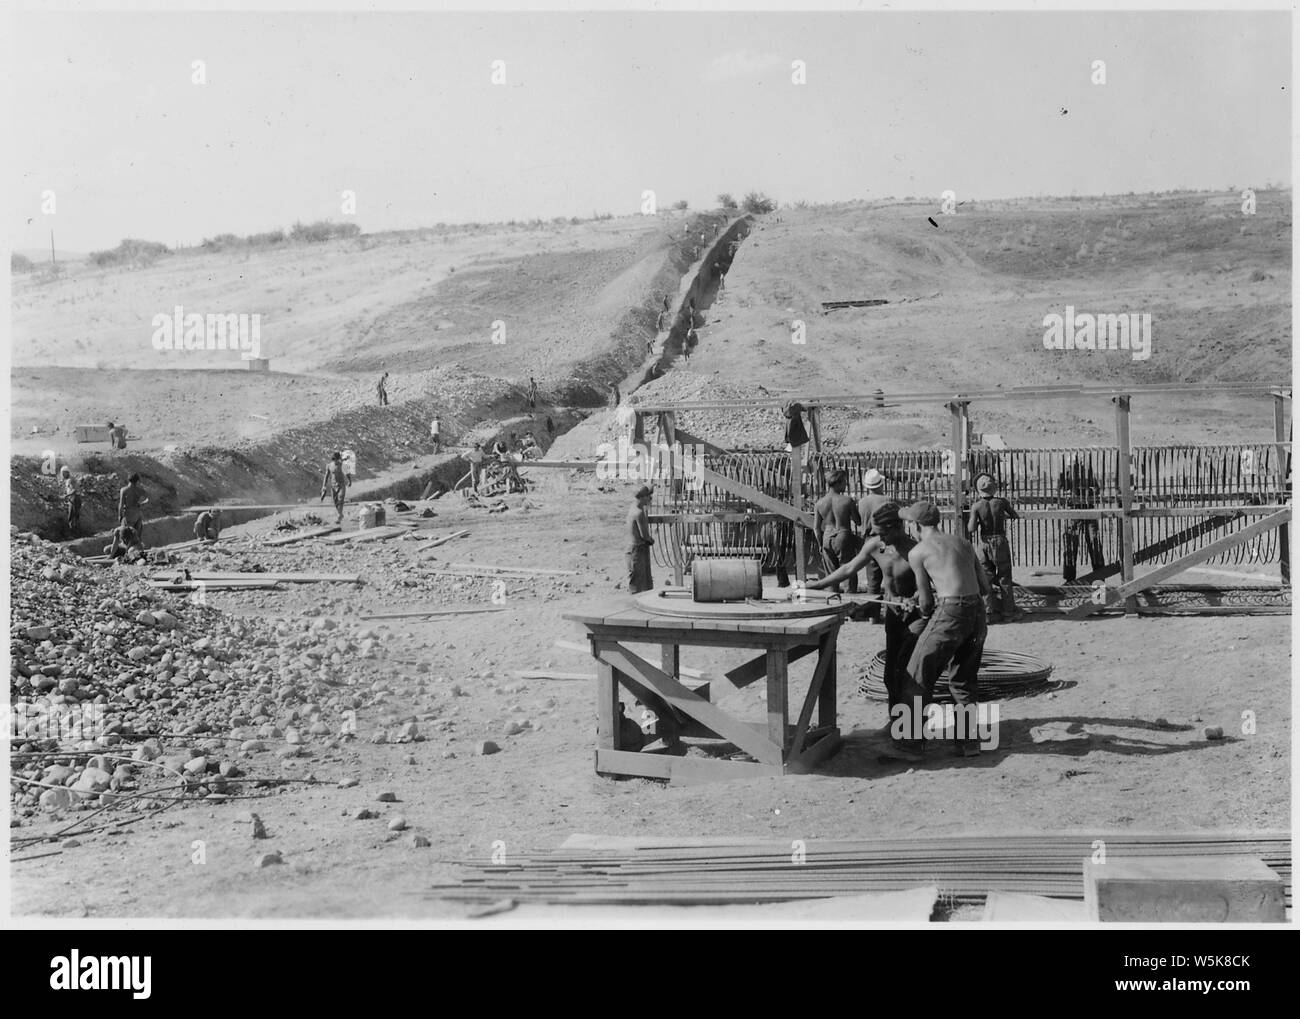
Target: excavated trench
(252,474)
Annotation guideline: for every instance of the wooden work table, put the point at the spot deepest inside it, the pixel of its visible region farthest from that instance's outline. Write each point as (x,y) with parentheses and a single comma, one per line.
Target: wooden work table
(776,746)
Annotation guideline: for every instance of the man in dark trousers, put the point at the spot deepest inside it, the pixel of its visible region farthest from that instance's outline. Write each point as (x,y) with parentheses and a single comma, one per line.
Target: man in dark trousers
(382,390)
(986,525)
(131,501)
(1078,489)
(889,547)
(872,499)
(836,525)
(639,542)
(335,483)
(950,589)
(532,393)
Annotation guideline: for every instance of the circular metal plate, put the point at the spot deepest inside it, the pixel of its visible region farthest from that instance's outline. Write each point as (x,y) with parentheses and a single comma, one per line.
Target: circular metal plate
(776,604)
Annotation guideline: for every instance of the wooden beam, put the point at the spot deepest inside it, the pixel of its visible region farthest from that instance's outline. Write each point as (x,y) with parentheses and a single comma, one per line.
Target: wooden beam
(426,613)
(796,493)
(1125,467)
(757,497)
(756,668)
(825,664)
(641,677)
(958,411)
(690,439)
(311,532)
(778,677)
(815,423)
(1126,591)
(1284,470)
(1159,548)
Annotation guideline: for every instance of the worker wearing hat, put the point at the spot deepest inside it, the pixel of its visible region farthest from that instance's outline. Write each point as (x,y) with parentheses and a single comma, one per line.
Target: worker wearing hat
(986,525)
(873,498)
(951,587)
(639,542)
(888,548)
(836,517)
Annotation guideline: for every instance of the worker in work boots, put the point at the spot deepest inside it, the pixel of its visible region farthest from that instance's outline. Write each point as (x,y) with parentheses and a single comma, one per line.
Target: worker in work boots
(335,483)
(131,501)
(986,525)
(835,524)
(888,547)
(872,499)
(951,587)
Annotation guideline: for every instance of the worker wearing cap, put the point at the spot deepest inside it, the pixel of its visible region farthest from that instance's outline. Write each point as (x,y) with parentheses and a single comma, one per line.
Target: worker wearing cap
(889,547)
(873,498)
(950,587)
(638,553)
(208,525)
(836,519)
(986,525)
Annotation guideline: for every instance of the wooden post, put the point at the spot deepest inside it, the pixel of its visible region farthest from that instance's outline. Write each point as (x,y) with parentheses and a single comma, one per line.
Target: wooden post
(1284,478)
(1125,467)
(815,421)
(958,409)
(638,428)
(607,734)
(826,698)
(778,669)
(670,659)
(796,497)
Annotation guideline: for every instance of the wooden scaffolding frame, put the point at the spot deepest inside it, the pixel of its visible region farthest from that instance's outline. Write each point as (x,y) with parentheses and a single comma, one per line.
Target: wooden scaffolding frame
(958,405)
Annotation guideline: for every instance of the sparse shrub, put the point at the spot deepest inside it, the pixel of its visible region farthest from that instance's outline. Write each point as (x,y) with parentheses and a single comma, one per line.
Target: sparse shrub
(130,252)
(758,203)
(19,263)
(681,205)
(727,201)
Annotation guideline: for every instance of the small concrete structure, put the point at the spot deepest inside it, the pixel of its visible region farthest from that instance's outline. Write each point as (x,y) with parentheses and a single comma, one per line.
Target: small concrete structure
(258,364)
(1187,889)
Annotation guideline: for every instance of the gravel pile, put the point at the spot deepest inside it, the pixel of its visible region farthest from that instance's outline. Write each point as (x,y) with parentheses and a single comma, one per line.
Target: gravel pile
(115,687)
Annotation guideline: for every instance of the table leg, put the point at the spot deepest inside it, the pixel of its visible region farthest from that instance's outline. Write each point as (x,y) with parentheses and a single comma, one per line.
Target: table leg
(826,698)
(607,735)
(778,669)
(670,659)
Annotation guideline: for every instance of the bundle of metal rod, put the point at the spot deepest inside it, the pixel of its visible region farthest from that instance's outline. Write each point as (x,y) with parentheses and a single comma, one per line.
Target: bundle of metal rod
(1003,674)
(965,868)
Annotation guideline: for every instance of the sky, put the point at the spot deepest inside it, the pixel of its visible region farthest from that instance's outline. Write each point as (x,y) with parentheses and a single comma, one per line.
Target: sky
(596,108)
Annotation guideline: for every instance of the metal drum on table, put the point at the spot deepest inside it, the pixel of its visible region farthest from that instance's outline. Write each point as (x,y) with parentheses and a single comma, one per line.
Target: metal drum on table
(718,580)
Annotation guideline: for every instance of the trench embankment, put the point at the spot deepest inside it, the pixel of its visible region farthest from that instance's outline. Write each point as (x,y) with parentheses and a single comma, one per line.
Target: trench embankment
(286,467)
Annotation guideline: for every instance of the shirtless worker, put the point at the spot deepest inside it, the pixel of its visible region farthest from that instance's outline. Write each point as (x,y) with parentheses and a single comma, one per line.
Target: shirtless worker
(72,497)
(639,542)
(986,525)
(335,483)
(873,498)
(125,545)
(131,501)
(836,525)
(888,547)
(951,587)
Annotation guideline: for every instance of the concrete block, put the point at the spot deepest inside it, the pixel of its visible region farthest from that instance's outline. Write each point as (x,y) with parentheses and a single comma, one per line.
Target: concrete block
(1183,889)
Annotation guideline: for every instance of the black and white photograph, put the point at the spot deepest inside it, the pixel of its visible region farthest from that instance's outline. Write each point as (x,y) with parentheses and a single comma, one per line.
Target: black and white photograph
(650,466)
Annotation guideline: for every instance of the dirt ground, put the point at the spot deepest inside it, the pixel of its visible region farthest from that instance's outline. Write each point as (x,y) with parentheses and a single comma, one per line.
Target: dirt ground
(1115,744)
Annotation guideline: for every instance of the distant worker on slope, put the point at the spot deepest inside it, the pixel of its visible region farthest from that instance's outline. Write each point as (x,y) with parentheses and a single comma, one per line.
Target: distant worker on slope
(72,497)
(131,501)
(381,389)
(208,525)
(532,393)
(435,434)
(335,483)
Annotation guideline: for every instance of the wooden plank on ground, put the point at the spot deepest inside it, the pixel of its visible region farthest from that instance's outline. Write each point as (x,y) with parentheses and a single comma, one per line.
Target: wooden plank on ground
(435,542)
(425,613)
(369,534)
(288,578)
(513,569)
(311,532)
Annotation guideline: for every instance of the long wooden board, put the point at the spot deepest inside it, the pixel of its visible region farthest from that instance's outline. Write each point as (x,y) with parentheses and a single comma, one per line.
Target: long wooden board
(369,534)
(312,532)
(288,578)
